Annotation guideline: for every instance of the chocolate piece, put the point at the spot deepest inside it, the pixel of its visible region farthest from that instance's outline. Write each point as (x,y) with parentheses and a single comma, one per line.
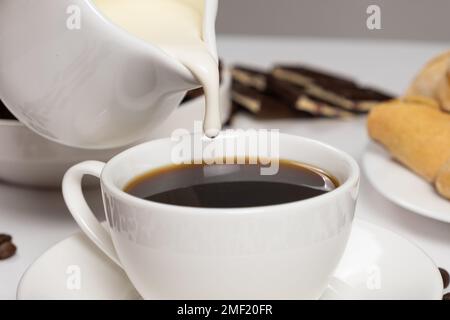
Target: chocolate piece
(301,89)
(192,94)
(5,238)
(7,250)
(262,105)
(445,277)
(332,89)
(446,296)
(250,77)
(5,113)
(271,92)
(367,98)
(195,93)
(299,99)
(303,76)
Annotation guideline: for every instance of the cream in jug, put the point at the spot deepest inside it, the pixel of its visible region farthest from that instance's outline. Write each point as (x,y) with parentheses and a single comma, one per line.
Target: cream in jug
(176,27)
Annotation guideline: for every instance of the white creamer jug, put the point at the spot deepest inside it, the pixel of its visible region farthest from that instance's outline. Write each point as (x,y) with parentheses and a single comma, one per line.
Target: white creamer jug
(97,73)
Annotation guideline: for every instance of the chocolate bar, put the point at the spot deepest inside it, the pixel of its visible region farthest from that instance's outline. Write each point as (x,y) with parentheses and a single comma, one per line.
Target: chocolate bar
(262,105)
(298,98)
(332,89)
(250,77)
(304,76)
(308,90)
(275,91)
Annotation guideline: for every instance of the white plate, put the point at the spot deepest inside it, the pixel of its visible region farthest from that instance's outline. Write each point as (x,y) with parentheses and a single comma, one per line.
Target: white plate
(402,186)
(377,264)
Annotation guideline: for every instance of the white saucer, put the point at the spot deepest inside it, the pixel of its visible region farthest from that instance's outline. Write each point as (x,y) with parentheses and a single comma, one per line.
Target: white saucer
(377,264)
(402,186)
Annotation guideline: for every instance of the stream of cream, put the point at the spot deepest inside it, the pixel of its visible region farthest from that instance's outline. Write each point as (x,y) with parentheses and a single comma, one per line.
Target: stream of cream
(176,27)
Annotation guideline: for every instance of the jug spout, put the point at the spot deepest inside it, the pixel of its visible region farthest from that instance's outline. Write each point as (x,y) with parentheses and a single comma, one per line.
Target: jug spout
(92,84)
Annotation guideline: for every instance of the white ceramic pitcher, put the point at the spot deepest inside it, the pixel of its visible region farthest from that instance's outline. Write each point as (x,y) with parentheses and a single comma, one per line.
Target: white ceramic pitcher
(95,86)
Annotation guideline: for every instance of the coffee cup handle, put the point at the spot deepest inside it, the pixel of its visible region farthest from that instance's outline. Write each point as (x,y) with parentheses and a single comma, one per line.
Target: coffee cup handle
(78,207)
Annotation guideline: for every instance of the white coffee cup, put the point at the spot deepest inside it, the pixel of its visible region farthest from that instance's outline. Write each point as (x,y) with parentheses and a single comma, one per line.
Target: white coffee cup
(285,251)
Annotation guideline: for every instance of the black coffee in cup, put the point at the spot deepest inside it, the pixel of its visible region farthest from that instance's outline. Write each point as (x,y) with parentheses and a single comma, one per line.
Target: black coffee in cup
(231,185)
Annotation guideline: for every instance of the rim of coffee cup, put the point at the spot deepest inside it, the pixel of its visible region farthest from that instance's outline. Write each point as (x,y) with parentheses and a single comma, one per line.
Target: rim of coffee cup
(350,181)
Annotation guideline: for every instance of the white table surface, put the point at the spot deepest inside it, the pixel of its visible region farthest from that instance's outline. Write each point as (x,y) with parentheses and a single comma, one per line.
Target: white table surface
(37,219)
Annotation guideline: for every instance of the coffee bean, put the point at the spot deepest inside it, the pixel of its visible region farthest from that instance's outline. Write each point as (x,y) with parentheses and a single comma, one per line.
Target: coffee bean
(5,238)
(7,250)
(446,296)
(445,277)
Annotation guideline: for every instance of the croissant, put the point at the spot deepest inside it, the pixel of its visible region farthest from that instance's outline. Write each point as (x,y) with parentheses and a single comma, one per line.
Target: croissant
(418,135)
(444,92)
(433,81)
(443,180)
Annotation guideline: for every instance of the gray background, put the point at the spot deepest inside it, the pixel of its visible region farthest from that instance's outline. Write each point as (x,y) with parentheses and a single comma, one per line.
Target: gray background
(427,20)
